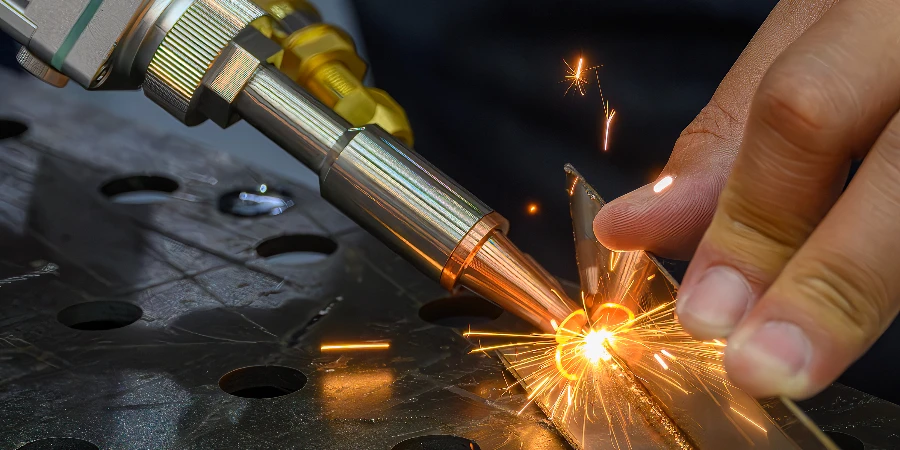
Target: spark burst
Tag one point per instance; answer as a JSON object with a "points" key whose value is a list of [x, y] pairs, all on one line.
{"points": [[578, 79], [600, 369], [577, 76], [623, 360]]}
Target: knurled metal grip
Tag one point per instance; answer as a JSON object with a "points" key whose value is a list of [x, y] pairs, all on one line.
{"points": [[39, 69], [176, 71]]}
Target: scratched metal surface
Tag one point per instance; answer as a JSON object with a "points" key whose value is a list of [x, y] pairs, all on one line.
{"points": [[210, 304]]}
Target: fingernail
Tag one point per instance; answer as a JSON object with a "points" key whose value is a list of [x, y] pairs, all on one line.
{"points": [[778, 349], [716, 303]]}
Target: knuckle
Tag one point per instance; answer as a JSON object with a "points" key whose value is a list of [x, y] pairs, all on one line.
{"points": [[768, 226], [849, 294], [798, 101]]}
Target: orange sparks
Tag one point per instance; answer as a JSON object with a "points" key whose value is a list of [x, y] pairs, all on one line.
{"points": [[661, 362], [533, 208], [359, 346], [575, 76], [578, 79], [750, 420], [663, 184], [610, 113]]}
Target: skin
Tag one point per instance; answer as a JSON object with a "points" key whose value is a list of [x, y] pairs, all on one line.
{"points": [[800, 277]]}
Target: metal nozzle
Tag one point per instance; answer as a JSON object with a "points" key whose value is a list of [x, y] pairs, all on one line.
{"points": [[500, 272], [488, 263]]}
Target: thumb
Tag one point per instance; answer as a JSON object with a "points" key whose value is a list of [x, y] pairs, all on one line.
{"points": [[668, 217], [671, 222]]}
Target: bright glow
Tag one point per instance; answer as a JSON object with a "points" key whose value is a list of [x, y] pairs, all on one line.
{"points": [[532, 208], [750, 420], [622, 324], [663, 184], [359, 346], [614, 260], [609, 113], [661, 362], [595, 343], [575, 76]]}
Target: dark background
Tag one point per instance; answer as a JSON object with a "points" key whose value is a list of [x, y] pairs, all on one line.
{"points": [[479, 80]]}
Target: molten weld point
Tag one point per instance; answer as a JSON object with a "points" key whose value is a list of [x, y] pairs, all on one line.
{"points": [[595, 343]]}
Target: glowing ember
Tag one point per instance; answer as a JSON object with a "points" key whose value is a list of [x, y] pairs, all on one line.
{"points": [[575, 76], [609, 113], [356, 346], [533, 208], [661, 185]]}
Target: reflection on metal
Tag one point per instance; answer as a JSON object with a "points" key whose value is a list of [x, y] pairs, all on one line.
{"points": [[658, 388], [353, 394], [47, 268], [261, 200]]}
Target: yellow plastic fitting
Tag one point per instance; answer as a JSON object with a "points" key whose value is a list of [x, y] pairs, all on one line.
{"points": [[279, 9], [323, 59]]}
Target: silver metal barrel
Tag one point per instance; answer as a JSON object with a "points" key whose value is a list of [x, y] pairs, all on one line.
{"points": [[384, 186]]}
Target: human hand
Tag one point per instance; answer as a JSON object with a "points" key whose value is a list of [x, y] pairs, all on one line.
{"points": [[800, 278]]}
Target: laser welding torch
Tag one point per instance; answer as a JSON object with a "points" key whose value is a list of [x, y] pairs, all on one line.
{"points": [[298, 81]]}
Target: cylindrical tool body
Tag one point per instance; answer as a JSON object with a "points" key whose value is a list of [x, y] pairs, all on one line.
{"points": [[290, 116], [399, 196], [384, 186]]}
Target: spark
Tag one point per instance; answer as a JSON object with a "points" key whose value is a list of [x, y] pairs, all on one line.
{"points": [[608, 114], [614, 260], [750, 420], [651, 277], [356, 346], [589, 367], [578, 79], [576, 76], [663, 184], [532, 208], [661, 362]]}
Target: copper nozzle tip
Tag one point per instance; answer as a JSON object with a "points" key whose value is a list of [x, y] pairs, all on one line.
{"points": [[498, 271]]}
